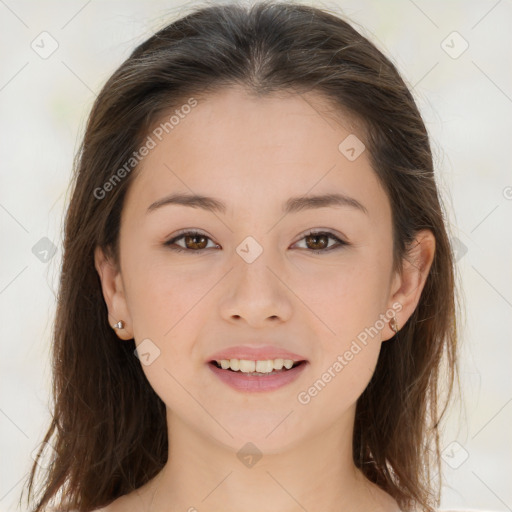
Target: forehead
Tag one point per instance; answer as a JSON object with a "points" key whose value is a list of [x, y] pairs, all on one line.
{"points": [[247, 150]]}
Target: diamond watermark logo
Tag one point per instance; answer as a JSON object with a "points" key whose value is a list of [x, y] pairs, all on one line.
{"points": [[455, 455], [249, 454], [249, 250], [44, 45], [44, 250], [147, 351], [454, 45], [351, 147], [459, 249]]}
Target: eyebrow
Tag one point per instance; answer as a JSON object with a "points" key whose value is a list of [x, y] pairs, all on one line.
{"points": [[292, 205]]}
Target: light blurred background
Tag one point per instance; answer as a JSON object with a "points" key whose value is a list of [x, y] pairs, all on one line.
{"points": [[54, 58]]}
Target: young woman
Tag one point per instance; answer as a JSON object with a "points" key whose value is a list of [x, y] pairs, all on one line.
{"points": [[257, 291]]}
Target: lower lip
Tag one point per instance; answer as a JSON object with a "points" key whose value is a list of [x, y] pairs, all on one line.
{"points": [[269, 382]]}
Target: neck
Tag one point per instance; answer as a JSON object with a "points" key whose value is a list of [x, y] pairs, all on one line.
{"points": [[317, 474]]}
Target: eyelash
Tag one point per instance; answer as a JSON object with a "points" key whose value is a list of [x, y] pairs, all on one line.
{"points": [[169, 243]]}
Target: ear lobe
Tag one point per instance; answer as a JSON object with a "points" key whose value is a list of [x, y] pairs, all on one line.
{"points": [[410, 283], [113, 292]]}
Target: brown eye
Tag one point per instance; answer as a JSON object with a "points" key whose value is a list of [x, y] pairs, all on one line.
{"points": [[319, 241], [196, 243], [193, 242]]}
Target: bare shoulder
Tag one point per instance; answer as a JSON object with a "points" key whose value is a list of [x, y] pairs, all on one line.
{"points": [[112, 507], [126, 503], [381, 500], [137, 499], [108, 508], [118, 505]]}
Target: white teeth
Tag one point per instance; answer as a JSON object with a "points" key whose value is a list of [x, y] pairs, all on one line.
{"points": [[247, 366], [287, 363], [278, 363], [264, 366]]}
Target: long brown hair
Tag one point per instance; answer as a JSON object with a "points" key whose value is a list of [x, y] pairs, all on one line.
{"points": [[108, 430]]}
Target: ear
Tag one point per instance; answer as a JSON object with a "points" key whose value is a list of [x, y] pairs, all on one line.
{"points": [[113, 293], [407, 286]]}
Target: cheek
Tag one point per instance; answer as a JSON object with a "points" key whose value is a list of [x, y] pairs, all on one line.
{"points": [[347, 297], [349, 302], [167, 306], [346, 355], [163, 298]]}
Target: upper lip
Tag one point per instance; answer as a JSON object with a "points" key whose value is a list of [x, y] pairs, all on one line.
{"points": [[255, 353]]}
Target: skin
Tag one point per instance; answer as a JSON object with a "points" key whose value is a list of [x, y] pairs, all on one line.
{"points": [[254, 154]]}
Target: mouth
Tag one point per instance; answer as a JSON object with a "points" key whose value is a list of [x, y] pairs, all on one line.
{"points": [[245, 377], [252, 368]]}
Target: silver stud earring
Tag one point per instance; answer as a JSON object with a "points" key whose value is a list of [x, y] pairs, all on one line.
{"points": [[119, 325]]}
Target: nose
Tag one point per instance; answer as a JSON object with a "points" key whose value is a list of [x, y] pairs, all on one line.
{"points": [[256, 293]]}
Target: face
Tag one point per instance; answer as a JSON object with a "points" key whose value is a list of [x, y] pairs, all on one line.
{"points": [[254, 274]]}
